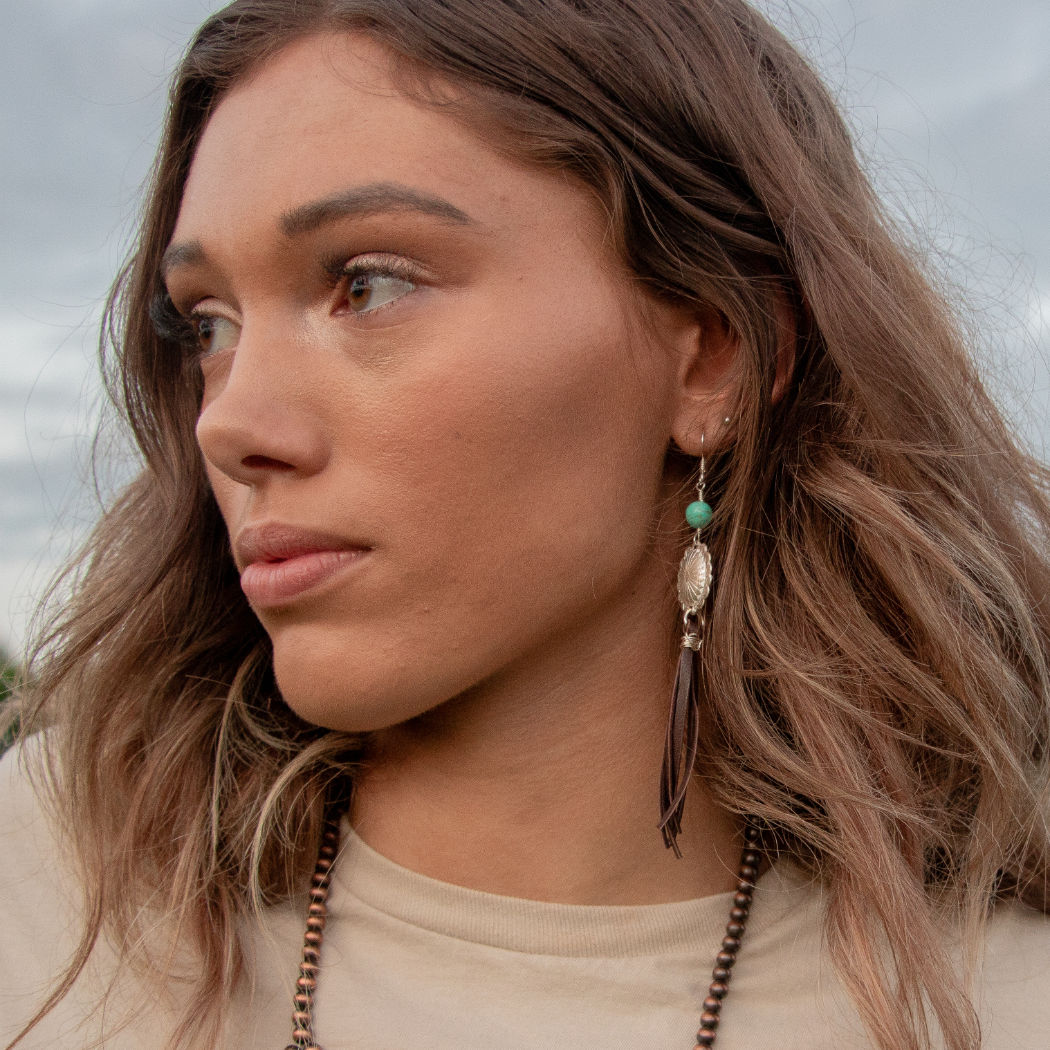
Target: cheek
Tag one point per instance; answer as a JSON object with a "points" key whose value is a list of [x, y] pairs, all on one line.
{"points": [[228, 495], [537, 459]]}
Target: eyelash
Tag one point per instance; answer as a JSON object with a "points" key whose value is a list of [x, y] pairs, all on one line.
{"points": [[173, 326], [340, 268], [170, 325]]}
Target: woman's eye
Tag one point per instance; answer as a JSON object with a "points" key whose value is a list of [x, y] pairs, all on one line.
{"points": [[370, 289], [214, 333]]}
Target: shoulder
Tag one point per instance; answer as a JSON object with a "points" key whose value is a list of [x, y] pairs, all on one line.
{"points": [[1013, 995], [39, 898], [27, 838], [42, 916], [37, 890]]}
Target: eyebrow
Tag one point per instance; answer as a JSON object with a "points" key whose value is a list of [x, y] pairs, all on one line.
{"points": [[372, 199], [375, 198], [183, 253]]}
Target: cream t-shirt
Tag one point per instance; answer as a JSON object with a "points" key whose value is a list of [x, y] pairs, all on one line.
{"points": [[409, 962]]}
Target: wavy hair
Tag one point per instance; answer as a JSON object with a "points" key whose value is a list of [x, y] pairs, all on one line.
{"points": [[880, 634]]}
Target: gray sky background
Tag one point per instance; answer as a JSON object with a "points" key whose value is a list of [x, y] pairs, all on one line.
{"points": [[949, 99]]}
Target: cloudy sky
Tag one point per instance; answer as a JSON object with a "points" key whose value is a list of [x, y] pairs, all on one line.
{"points": [[950, 100]]}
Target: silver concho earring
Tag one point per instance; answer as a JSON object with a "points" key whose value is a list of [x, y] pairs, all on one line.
{"points": [[683, 726]]}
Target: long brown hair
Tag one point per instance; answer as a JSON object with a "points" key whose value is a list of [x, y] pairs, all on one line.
{"points": [[877, 658]]}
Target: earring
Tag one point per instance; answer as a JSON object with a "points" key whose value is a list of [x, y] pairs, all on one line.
{"points": [[683, 726]]}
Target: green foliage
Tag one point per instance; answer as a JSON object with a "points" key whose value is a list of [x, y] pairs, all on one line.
{"points": [[7, 683]]}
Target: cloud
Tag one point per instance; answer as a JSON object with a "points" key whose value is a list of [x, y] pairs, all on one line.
{"points": [[84, 91]]}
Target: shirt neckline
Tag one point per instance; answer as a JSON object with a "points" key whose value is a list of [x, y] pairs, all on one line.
{"points": [[365, 877]]}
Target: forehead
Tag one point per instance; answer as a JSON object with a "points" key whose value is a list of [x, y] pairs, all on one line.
{"points": [[325, 114]]}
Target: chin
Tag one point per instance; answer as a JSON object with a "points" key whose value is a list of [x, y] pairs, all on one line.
{"points": [[348, 688]]}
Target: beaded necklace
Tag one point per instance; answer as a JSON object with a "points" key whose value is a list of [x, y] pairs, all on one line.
{"points": [[306, 984]]}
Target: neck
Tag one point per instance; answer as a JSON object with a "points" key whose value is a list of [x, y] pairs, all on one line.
{"points": [[543, 784]]}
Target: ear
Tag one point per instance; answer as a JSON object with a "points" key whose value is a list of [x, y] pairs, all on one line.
{"points": [[708, 382], [705, 391]]}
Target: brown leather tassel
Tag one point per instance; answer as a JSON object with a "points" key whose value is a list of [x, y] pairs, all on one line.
{"points": [[681, 743]]}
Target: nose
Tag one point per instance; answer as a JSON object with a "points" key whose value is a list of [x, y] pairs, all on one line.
{"points": [[259, 417]]}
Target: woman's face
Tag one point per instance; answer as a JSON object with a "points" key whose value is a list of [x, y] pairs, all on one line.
{"points": [[435, 405]]}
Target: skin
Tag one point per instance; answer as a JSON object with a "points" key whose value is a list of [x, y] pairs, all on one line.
{"points": [[490, 416]]}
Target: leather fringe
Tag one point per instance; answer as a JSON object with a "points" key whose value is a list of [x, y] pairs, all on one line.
{"points": [[680, 747]]}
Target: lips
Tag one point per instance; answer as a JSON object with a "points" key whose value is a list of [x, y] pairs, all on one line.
{"points": [[279, 563]]}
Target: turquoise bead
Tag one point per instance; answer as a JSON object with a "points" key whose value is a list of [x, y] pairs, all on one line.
{"points": [[698, 514]]}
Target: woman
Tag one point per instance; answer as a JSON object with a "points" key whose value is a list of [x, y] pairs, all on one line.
{"points": [[442, 315]]}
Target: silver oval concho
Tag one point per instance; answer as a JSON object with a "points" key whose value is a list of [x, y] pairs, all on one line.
{"points": [[694, 578]]}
